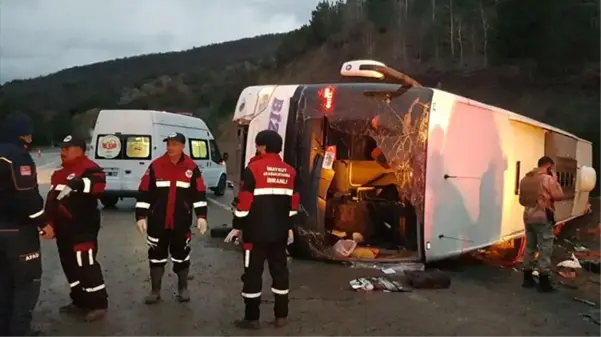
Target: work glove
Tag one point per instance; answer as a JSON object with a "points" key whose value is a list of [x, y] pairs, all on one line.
{"points": [[201, 224], [141, 225], [234, 233], [64, 193], [47, 232], [290, 237]]}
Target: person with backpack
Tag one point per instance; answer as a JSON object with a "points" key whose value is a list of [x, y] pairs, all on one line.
{"points": [[539, 190]]}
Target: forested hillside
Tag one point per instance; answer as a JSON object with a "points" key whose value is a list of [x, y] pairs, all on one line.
{"points": [[537, 57]]}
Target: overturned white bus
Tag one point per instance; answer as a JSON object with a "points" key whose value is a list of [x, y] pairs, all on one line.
{"points": [[418, 172]]}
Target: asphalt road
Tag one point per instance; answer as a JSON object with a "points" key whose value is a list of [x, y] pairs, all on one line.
{"points": [[482, 300]]}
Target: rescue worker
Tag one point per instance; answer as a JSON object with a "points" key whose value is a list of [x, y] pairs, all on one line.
{"points": [[72, 207], [264, 215], [539, 190], [22, 220], [171, 188]]}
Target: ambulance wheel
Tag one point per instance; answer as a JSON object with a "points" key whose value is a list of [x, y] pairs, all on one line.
{"points": [[220, 189], [109, 202]]}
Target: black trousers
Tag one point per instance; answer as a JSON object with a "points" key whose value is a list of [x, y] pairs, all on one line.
{"points": [[175, 242], [254, 258], [20, 274], [83, 273]]}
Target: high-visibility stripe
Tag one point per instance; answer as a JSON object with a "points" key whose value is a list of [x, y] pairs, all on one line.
{"points": [[200, 204], [182, 184], [279, 291], [253, 295], [293, 213], [240, 214], [163, 183], [87, 185], [150, 238], [59, 187], [91, 290], [36, 214], [158, 261], [90, 257], [273, 191], [181, 261], [74, 284], [144, 205]]}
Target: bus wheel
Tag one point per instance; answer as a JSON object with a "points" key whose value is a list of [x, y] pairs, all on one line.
{"points": [[109, 202]]}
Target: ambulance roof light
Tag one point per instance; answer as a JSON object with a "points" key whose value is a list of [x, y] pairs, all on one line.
{"points": [[377, 70]]}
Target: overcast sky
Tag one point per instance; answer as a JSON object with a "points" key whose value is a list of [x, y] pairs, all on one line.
{"points": [[38, 37]]}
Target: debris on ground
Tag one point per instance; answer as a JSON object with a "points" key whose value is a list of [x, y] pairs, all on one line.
{"points": [[403, 282], [379, 283], [572, 263], [399, 267], [567, 274], [593, 316], [345, 247], [590, 260], [582, 300]]}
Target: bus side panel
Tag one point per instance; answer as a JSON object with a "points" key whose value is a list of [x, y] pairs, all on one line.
{"points": [[275, 118], [465, 176], [528, 145]]}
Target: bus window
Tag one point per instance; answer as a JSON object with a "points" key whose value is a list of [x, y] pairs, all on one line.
{"points": [[137, 147]]}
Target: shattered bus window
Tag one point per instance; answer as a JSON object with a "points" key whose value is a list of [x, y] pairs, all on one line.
{"points": [[379, 132]]}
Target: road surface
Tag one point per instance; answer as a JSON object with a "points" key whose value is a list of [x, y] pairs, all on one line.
{"points": [[481, 300]]}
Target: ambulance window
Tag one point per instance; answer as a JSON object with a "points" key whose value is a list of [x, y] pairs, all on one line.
{"points": [[137, 147], [198, 149], [108, 147], [215, 153]]}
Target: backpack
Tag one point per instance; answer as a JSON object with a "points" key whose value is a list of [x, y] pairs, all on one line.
{"points": [[530, 189]]}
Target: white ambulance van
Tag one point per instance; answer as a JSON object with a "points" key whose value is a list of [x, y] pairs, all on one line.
{"points": [[125, 142]]}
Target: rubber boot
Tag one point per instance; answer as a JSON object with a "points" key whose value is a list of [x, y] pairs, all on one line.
{"points": [[156, 277], [71, 308], [247, 325], [95, 315], [528, 279], [544, 284], [182, 286], [280, 322]]}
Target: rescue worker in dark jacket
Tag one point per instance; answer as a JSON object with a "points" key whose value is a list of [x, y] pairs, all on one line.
{"points": [[22, 220], [72, 207], [267, 206], [171, 189]]}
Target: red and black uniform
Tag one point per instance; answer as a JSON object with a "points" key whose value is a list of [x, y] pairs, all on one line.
{"points": [[76, 222], [168, 194], [268, 203]]}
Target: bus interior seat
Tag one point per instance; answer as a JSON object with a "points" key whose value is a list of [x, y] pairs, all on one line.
{"points": [[351, 174], [364, 171]]}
